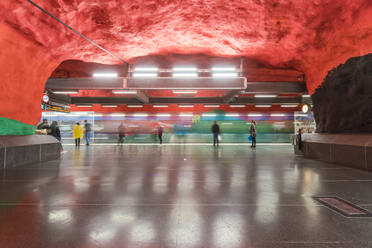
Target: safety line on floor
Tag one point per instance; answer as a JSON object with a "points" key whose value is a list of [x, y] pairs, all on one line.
{"points": [[77, 32]]}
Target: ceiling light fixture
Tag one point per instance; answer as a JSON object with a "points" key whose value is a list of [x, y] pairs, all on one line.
{"points": [[185, 91], [277, 115], [263, 106], [129, 92], [185, 106], [163, 115], [254, 115], [185, 115], [148, 69], [84, 105], [160, 106], [117, 115], [208, 115], [211, 105], [232, 115], [265, 96], [289, 105], [134, 106], [237, 106], [140, 115], [66, 92], [105, 75], [223, 69], [109, 106], [306, 95]]}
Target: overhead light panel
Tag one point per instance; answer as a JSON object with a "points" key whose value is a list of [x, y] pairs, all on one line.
{"points": [[232, 115], [105, 75], [109, 106], [185, 106], [185, 91], [254, 115], [265, 96], [129, 92], [163, 115], [117, 115], [140, 115], [60, 92], [184, 69], [185, 115], [289, 105], [208, 115], [84, 105], [211, 105], [185, 74], [160, 106], [223, 69], [225, 75], [306, 95], [237, 106], [277, 115], [134, 106], [144, 75], [146, 69], [263, 106]]}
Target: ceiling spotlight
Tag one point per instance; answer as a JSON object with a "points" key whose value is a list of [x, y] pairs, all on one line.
{"points": [[129, 92], [139, 75], [146, 69], [223, 69], [265, 96], [66, 92], [189, 74], [185, 91], [105, 75]]}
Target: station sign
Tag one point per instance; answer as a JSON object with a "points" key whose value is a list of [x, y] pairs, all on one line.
{"points": [[54, 106]]}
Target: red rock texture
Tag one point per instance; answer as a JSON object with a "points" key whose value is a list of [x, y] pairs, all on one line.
{"points": [[311, 36]]}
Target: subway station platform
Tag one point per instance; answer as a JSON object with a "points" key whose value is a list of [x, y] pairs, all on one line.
{"points": [[182, 196]]}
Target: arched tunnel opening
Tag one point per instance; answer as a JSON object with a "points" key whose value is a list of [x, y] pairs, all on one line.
{"points": [[237, 124]]}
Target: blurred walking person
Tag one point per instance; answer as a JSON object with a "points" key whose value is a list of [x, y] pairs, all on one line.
{"points": [[160, 134], [55, 132], [78, 133], [216, 133], [88, 131], [253, 133], [121, 131]]}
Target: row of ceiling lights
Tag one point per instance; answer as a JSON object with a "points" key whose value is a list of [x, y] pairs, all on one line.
{"points": [[190, 105]]}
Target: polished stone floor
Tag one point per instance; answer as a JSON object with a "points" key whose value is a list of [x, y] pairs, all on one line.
{"points": [[181, 196]]}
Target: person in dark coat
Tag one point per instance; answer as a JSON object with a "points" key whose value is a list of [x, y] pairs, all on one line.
{"points": [[216, 132], [54, 131], [160, 134], [121, 131], [253, 133]]}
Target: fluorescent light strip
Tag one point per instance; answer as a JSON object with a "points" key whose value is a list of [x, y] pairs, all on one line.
{"points": [[98, 115], [263, 106], [254, 115], [185, 115], [160, 106], [140, 115], [137, 75], [208, 115], [84, 106], [163, 115], [151, 69], [306, 95], [105, 75], [277, 115], [265, 96], [185, 74], [237, 106], [124, 92], [117, 115], [185, 106], [225, 75], [184, 69], [289, 105], [232, 115], [212, 106], [134, 106], [66, 92], [301, 115], [223, 69], [109, 106], [185, 91]]}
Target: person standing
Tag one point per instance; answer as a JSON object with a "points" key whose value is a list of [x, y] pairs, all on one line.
{"points": [[78, 133], [54, 131], [253, 133], [160, 134], [216, 132], [88, 131], [121, 131]]}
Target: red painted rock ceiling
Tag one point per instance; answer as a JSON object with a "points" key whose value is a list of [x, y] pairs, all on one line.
{"points": [[310, 36]]}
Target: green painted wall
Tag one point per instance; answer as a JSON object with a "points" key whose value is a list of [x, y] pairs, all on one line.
{"points": [[13, 127]]}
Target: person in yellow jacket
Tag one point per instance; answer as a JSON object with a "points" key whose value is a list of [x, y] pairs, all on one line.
{"points": [[78, 132]]}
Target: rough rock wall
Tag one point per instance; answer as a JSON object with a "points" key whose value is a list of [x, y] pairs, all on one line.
{"points": [[344, 101]]}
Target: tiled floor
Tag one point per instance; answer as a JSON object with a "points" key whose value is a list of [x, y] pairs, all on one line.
{"points": [[181, 196]]}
